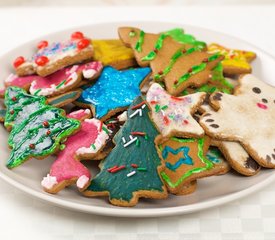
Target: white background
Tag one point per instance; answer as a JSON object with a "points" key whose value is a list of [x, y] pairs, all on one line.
{"points": [[23, 217]]}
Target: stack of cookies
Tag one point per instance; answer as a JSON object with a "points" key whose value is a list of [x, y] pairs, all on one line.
{"points": [[156, 111]]}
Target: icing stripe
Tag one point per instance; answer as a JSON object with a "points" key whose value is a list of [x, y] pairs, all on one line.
{"points": [[140, 41]]}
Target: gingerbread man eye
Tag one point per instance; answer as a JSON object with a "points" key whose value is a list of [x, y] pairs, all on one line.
{"points": [[264, 100], [256, 90]]}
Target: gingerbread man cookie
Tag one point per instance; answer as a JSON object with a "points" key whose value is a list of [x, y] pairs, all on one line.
{"points": [[50, 58], [235, 61], [179, 64], [85, 144], [173, 115], [246, 117]]}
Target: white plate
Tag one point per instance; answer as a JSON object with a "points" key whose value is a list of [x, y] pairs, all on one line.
{"points": [[212, 191]]}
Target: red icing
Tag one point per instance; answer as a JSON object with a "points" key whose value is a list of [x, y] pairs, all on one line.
{"points": [[18, 61], [83, 43], [42, 44], [77, 35], [262, 106], [41, 60]]}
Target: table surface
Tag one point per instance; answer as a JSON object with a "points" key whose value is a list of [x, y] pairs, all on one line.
{"points": [[250, 218]]}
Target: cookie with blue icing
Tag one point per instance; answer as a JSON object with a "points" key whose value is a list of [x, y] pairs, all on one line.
{"points": [[114, 91], [186, 161]]}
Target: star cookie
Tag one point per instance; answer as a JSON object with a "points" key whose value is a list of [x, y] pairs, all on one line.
{"points": [[114, 91], [173, 115], [235, 61]]}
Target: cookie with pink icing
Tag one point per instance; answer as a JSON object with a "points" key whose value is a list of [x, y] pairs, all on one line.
{"points": [[59, 82], [246, 117], [173, 115], [85, 144], [52, 57]]}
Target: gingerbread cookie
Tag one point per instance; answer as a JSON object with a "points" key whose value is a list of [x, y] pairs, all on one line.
{"points": [[235, 61], [187, 189], [179, 64], [246, 117], [233, 152], [238, 158], [173, 115], [216, 156], [85, 144], [132, 169], [113, 92], [217, 83], [57, 83], [185, 161], [65, 98], [112, 52], [50, 58], [37, 129]]}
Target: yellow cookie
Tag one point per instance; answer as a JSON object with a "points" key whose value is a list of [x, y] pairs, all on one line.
{"points": [[114, 53], [235, 61]]}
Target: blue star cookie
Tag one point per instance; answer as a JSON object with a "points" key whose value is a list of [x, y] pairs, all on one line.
{"points": [[113, 91]]}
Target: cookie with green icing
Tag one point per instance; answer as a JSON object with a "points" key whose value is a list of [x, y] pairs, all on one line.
{"points": [[185, 161], [37, 129], [177, 59], [132, 169]]}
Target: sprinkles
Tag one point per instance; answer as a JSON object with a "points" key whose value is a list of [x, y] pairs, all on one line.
{"points": [[131, 173]]}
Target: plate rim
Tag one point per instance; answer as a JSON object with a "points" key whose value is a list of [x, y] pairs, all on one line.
{"points": [[138, 212]]}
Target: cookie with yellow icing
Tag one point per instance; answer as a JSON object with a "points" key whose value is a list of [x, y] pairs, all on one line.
{"points": [[113, 52], [235, 61], [176, 58]]}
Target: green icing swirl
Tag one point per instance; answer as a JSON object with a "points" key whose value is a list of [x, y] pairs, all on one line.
{"points": [[196, 69], [118, 185], [39, 130], [208, 164], [140, 41]]}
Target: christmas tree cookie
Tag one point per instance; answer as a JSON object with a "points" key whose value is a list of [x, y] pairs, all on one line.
{"points": [[235, 61], [177, 60], [132, 169], [186, 161], [112, 52], [85, 144], [113, 92], [37, 129], [173, 115], [246, 117]]}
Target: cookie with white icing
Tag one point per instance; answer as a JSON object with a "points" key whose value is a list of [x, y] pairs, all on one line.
{"points": [[52, 57], [173, 115], [246, 117]]}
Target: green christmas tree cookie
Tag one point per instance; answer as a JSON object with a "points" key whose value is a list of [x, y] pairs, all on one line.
{"points": [[132, 169], [36, 128]]}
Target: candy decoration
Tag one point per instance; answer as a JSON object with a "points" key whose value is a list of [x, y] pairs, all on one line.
{"points": [[41, 60], [42, 44], [18, 61], [119, 176], [26, 119], [83, 43], [77, 35]]}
